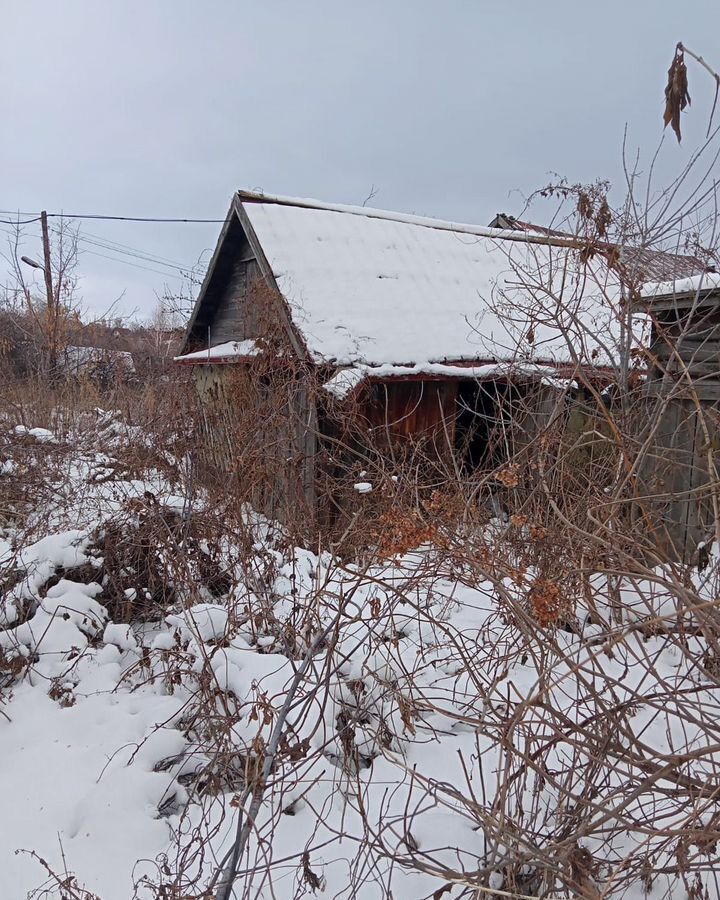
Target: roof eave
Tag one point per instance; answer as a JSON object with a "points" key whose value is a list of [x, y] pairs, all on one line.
{"points": [[670, 299]]}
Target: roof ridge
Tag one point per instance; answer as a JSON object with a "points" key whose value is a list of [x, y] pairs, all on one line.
{"points": [[409, 219], [624, 247], [528, 232]]}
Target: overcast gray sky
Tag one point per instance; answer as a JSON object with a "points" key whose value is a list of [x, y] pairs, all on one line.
{"points": [[449, 108]]}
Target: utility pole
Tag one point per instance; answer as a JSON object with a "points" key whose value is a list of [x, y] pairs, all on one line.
{"points": [[51, 309]]}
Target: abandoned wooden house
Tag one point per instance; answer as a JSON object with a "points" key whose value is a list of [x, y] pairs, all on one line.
{"points": [[459, 337]]}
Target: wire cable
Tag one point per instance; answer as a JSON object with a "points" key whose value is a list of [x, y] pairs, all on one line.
{"points": [[183, 273], [88, 236], [148, 258], [160, 219], [105, 243]]}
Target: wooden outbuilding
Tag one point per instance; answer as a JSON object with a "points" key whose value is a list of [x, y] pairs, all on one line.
{"points": [[413, 329]]}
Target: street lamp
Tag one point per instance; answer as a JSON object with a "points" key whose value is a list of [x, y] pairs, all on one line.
{"points": [[51, 307], [33, 263]]}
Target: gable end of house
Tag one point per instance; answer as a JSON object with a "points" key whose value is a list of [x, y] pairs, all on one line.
{"points": [[239, 297]]}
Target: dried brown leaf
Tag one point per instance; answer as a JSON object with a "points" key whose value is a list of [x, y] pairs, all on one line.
{"points": [[676, 92], [312, 880]]}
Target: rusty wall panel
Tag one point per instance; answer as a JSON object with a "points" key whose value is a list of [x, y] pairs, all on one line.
{"points": [[411, 408]]}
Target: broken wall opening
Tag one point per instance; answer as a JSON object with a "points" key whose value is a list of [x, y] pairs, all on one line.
{"points": [[498, 418]]}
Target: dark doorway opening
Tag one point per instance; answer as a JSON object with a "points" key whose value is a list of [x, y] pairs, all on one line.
{"points": [[484, 423]]}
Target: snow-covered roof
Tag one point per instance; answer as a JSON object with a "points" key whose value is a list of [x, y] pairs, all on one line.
{"points": [[230, 351], [344, 381], [75, 358], [371, 287], [705, 281]]}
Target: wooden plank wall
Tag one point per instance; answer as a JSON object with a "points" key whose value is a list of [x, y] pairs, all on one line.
{"points": [[535, 409], [261, 431], [236, 317], [418, 409], [675, 484]]}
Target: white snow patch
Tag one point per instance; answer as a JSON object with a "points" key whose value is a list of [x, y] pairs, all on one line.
{"points": [[228, 350], [42, 435], [706, 281], [208, 621], [121, 636]]}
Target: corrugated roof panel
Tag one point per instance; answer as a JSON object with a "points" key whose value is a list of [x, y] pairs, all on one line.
{"points": [[373, 289]]}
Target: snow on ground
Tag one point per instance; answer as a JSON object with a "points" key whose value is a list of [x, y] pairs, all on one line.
{"points": [[67, 787], [126, 747]]}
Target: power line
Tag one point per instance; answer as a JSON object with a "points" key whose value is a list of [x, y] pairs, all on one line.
{"points": [[134, 254], [182, 272], [125, 249], [127, 262], [160, 219], [134, 218], [106, 243], [120, 247], [19, 221]]}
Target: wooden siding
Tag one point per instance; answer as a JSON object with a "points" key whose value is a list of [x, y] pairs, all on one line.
{"points": [[675, 484], [261, 432], [538, 408], [419, 409], [229, 311], [684, 339], [236, 317], [218, 285]]}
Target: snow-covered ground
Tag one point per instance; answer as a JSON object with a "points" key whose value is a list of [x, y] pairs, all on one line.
{"points": [[437, 739]]}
